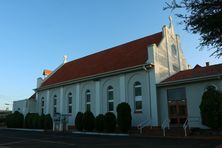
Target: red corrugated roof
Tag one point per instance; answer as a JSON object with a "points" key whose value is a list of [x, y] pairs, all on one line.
{"points": [[119, 57], [196, 72]]}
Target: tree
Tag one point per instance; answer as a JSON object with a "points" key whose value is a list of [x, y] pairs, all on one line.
{"points": [[210, 108], [203, 17]]}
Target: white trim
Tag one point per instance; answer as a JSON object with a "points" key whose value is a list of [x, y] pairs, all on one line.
{"points": [[97, 97], [189, 80], [122, 88], [47, 102], [77, 98]]}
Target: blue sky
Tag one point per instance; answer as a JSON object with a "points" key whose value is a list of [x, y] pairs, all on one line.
{"points": [[35, 34]]}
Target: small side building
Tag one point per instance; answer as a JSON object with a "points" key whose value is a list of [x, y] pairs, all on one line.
{"points": [[180, 95], [25, 106]]}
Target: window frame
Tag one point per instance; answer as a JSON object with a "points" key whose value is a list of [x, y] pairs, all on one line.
{"points": [[137, 98], [54, 104], [42, 105], [69, 104], [88, 100], [110, 101]]}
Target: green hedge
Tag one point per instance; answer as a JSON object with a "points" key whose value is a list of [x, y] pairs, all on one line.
{"points": [[100, 122], [88, 121], [124, 118], [47, 122], [78, 121], [110, 122], [32, 120], [15, 120]]}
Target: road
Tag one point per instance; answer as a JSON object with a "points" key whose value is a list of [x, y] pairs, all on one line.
{"points": [[23, 139]]}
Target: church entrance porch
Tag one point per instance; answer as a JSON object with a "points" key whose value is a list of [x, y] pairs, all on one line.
{"points": [[177, 106], [177, 112]]}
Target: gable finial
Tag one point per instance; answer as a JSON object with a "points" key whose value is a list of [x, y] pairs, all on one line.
{"points": [[65, 59]]}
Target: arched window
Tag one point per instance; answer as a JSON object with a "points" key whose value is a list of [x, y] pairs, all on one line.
{"points": [[138, 96], [88, 100], [211, 87], [70, 103], [54, 104], [110, 98], [42, 104], [174, 50]]}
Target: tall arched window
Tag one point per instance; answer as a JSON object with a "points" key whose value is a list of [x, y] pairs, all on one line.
{"points": [[110, 98], [54, 104], [70, 103], [42, 105], [211, 87], [138, 96], [88, 100], [174, 50]]}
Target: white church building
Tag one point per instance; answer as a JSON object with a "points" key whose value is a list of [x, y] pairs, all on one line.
{"points": [[151, 74]]}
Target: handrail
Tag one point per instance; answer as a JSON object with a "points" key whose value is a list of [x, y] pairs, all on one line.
{"points": [[185, 125], [166, 123], [143, 124]]}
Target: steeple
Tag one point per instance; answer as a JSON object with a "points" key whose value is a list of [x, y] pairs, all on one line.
{"points": [[171, 21]]}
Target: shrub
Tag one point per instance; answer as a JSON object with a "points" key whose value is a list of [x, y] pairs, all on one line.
{"points": [[32, 120], [15, 120], [19, 119], [88, 120], [109, 122], [100, 123], [124, 118], [210, 108], [10, 121], [35, 121], [28, 120], [78, 121], [47, 122], [41, 121]]}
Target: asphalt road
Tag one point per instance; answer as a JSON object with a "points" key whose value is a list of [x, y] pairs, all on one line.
{"points": [[23, 139]]}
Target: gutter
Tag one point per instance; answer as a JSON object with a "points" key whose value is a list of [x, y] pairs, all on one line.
{"points": [[191, 80], [98, 76]]}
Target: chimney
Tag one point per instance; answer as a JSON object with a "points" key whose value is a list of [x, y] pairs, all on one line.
{"points": [[39, 82], [207, 64]]}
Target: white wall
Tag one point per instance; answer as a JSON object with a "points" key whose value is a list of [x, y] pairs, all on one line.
{"points": [[20, 106], [101, 95]]}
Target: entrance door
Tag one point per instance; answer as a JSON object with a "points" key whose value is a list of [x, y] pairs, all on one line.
{"points": [[177, 111]]}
